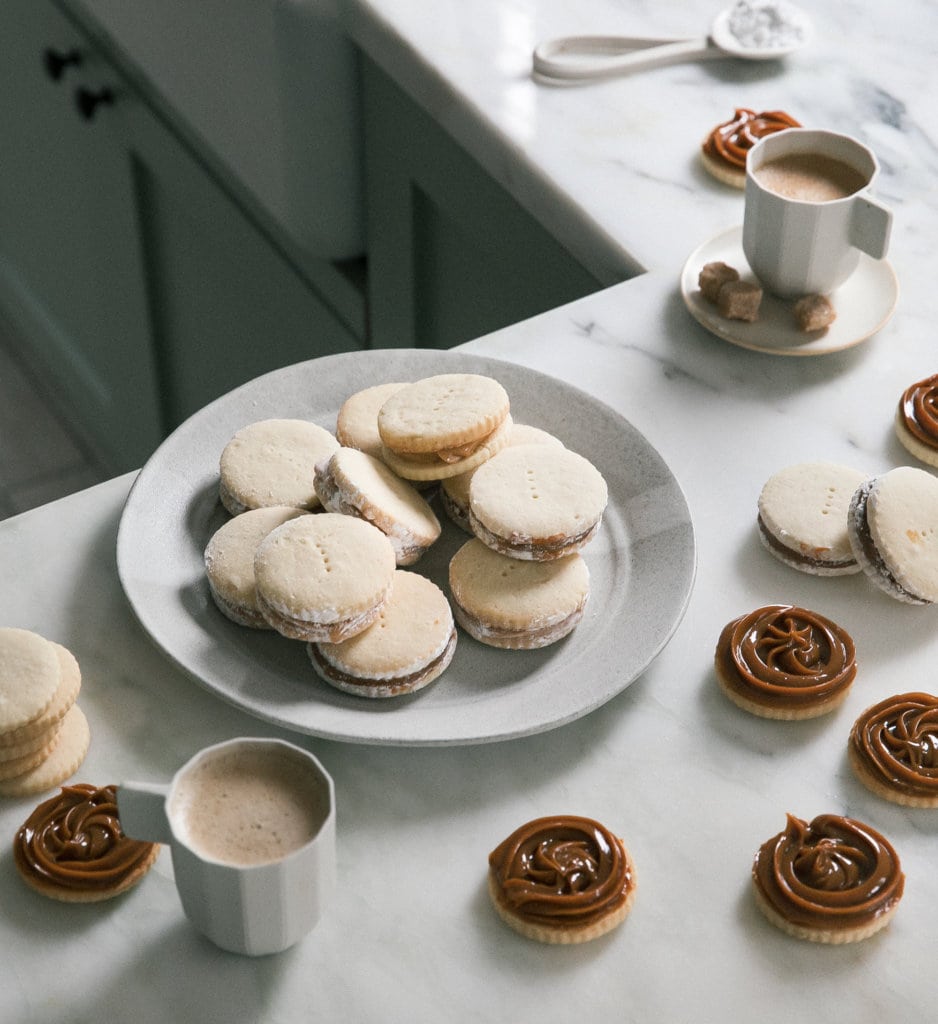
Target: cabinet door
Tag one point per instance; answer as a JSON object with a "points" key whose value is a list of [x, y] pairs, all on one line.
{"points": [[227, 302], [70, 270], [451, 255]]}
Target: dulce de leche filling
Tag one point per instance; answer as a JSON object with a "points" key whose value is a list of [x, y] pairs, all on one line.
{"points": [[832, 874], [731, 141], [563, 871], [781, 655], [75, 841], [896, 740], [918, 410]]}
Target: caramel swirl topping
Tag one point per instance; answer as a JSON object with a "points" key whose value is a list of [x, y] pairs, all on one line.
{"points": [[918, 409], [732, 140], [834, 873], [897, 740], [74, 841], [781, 654], [562, 870]]}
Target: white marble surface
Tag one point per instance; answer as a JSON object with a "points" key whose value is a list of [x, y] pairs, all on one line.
{"points": [[611, 168], [692, 783]]}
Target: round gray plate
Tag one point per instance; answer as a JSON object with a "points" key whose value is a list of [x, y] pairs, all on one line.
{"points": [[641, 563]]}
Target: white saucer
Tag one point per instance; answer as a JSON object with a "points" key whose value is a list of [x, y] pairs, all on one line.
{"points": [[864, 303]]}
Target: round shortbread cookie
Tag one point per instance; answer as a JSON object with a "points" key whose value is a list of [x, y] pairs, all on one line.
{"points": [[13, 767], [323, 577], [513, 603], [726, 173], [408, 646], [357, 422], [39, 745], [893, 530], [802, 517], [65, 696], [425, 469], [538, 502], [351, 482], [30, 673], [443, 412], [229, 562], [454, 491], [67, 754], [271, 462], [72, 847]]}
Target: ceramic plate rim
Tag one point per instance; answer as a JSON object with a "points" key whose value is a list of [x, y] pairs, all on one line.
{"points": [[773, 337], [168, 514]]}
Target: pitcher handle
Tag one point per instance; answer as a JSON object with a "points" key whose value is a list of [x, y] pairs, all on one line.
{"points": [[142, 810], [871, 226]]}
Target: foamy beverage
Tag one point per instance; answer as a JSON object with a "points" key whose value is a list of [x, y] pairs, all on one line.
{"points": [[809, 212], [811, 177], [248, 806]]}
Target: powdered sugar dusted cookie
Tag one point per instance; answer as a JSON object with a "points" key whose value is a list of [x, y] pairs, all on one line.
{"points": [[271, 462], [408, 646], [537, 502], [357, 422], [323, 577], [454, 491], [514, 603], [354, 483], [229, 562], [893, 530], [803, 517], [443, 425]]}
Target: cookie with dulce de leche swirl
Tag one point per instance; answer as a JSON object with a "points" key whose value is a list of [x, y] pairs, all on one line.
{"points": [[917, 420], [72, 847], [833, 880], [562, 880], [785, 662], [893, 749]]}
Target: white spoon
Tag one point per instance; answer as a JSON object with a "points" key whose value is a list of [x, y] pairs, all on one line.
{"points": [[751, 30]]}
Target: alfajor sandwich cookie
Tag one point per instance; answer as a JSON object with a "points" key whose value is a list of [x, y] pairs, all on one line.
{"points": [[324, 577], [802, 517], [893, 530], [537, 502], [229, 562], [271, 462], [516, 603], [351, 482], [454, 490], [410, 644], [444, 425]]}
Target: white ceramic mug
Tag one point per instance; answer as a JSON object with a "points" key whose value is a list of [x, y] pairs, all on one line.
{"points": [[251, 826], [800, 246]]}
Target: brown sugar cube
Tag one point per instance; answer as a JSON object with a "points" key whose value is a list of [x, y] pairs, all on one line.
{"points": [[739, 300], [814, 313], [713, 276]]}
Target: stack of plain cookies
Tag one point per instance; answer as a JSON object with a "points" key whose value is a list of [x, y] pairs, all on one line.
{"points": [[44, 735], [325, 528]]}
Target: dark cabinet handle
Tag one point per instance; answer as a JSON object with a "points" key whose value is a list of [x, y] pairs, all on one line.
{"points": [[55, 62], [88, 100]]}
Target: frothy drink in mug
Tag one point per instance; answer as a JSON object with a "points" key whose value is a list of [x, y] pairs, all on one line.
{"points": [[811, 177], [248, 806], [809, 212]]}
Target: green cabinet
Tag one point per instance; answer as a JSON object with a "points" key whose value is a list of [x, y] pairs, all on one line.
{"points": [[451, 255], [141, 282]]}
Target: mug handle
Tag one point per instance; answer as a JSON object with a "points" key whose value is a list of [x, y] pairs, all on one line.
{"points": [[870, 226], [141, 807]]}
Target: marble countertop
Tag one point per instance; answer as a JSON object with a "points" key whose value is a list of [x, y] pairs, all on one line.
{"points": [[692, 783]]}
